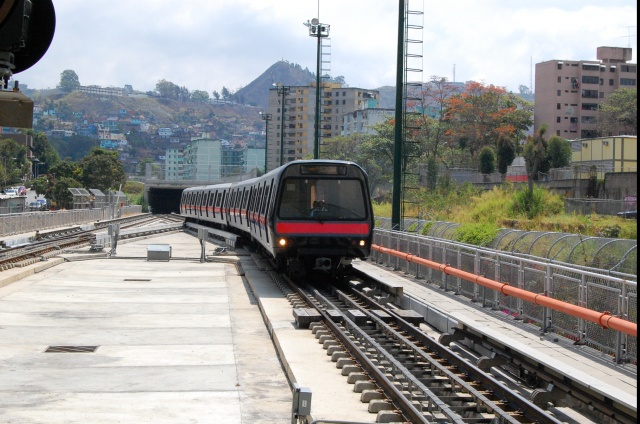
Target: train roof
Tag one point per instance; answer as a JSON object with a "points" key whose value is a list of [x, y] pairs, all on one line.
{"points": [[275, 171]]}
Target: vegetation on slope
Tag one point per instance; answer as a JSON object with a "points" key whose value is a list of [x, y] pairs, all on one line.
{"points": [[483, 213]]}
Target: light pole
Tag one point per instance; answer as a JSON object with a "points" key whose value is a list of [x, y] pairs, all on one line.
{"points": [[266, 117], [318, 30], [35, 167], [283, 90]]}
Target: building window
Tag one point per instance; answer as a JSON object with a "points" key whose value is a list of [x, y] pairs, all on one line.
{"points": [[558, 106], [628, 68], [590, 94], [559, 92], [557, 132], [559, 79], [611, 81], [587, 79], [588, 119], [558, 120], [601, 95], [589, 106], [590, 67], [627, 81], [559, 65]]}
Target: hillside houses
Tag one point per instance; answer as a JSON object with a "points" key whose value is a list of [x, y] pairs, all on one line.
{"points": [[142, 128]]}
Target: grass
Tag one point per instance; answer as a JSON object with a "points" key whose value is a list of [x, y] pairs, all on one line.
{"points": [[502, 207]]}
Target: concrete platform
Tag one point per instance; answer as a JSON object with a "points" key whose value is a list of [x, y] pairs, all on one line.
{"points": [[177, 341]]}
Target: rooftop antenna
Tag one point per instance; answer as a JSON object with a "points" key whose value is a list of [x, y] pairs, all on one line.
{"points": [[531, 73], [628, 37]]}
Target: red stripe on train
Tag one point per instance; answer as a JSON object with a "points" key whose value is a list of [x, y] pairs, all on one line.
{"points": [[284, 228]]}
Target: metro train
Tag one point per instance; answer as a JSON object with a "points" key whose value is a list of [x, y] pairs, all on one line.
{"points": [[305, 215]]}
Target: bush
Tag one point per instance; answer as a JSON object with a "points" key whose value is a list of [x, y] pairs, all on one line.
{"points": [[476, 234], [424, 231], [535, 203]]}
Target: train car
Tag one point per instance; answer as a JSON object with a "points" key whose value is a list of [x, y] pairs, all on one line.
{"points": [[305, 214]]}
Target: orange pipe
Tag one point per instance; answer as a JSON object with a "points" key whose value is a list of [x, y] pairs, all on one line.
{"points": [[604, 319]]}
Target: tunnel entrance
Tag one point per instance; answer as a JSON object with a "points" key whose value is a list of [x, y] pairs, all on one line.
{"points": [[164, 200]]}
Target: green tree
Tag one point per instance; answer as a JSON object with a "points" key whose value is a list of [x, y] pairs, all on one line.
{"points": [[487, 159], [67, 169], [68, 81], [535, 156], [103, 170], [559, 152], [506, 153], [342, 147], [75, 147], [59, 194], [43, 151], [199, 96], [167, 89], [619, 113], [13, 162]]}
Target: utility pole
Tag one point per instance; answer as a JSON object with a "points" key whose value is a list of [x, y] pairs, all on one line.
{"points": [[283, 90]]}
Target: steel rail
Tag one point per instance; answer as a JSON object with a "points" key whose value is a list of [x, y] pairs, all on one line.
{"points": [[528, 408]]}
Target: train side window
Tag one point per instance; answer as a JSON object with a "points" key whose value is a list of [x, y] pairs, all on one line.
{"points": [[224, 209], [234, 204], [265, 198], [197, 203]]}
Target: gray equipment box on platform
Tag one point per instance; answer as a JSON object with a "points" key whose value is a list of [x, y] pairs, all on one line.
{"points": [[158, 252]]}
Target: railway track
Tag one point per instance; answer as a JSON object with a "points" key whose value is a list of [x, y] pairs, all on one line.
{"points": [[44, 245], [406, 373]]}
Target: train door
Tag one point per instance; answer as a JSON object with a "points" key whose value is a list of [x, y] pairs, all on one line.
{"points": [[225, 206], [262, 213], [255, 208]]}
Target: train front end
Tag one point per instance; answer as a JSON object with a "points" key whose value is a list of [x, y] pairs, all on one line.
{"points": [[322, 217]]}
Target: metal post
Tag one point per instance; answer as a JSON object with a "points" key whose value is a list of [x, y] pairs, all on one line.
{"points": [[318, 30], [283, 90], [266, 117], [397, 143], [316, 134]]}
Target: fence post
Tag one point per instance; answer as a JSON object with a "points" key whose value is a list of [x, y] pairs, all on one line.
{"points": [[546, 312], [476, 270]]}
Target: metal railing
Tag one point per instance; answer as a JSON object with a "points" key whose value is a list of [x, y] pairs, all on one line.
{"points": [[19, 223], [586, 287]]}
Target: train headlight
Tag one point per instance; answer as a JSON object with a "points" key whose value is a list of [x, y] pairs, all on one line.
{"points": [[362, 243], [282, 242]]}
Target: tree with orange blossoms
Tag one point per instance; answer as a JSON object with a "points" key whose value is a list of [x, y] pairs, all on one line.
{"points": [[482, 115]]}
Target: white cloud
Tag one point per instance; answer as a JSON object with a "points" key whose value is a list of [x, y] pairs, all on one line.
{"points": [[206, 45]]}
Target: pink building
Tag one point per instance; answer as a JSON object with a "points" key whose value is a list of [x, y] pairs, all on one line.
{"points": [[568, 93]]}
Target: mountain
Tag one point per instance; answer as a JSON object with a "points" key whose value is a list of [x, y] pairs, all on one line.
{"points": [[256, 93]]}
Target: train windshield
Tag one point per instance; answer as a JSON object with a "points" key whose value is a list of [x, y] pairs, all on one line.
{"points": [[322, 199]]}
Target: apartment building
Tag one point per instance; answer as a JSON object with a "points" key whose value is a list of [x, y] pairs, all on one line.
{"points": [[568, 93], [291, 131], [362, 121], [208, 159]]}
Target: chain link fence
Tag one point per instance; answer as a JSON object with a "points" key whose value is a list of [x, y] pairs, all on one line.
{"points": [[590, 288]]}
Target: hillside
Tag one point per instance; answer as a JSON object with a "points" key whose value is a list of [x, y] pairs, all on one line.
{"points": [[160, 112], [256, 93]]}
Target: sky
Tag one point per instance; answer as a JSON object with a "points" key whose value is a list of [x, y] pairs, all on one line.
{"points": [[210, 44]]}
